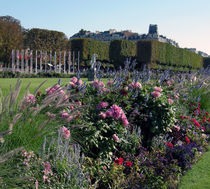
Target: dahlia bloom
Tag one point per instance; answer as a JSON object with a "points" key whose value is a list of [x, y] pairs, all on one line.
{"points": [[170, 101], [102, 105], [115, 137], [30, 99], [74, 80], [158, 89], [65, 133], [156, 94]]}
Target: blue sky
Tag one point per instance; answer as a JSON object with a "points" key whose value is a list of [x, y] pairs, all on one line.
{"points": [[185, 21]]}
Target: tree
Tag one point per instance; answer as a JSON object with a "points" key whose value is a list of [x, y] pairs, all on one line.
{"points": [[40, 39], [10, 37]]}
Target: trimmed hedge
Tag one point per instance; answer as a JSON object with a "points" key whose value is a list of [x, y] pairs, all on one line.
{"points": [[88, 47], [206, 62], [156, 54], [120, 50]]}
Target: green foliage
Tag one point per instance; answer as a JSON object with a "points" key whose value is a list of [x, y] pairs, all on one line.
{"points": [[155, 53], [120, 50], [206, 62], [88, 47], [156, 116], [10, 37], [40, 39]]}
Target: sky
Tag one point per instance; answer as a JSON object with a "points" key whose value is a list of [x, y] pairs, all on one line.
{"points": [[185, 21]]}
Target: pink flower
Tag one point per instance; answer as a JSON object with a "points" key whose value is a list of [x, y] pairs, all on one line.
{"points": [[56, 86], [25, 161], [115, 137], [109, 83], [168, 83], [102, 105], [45, 178], [158, 89], [102, 115], [74, 80], [138, 85], [108, 113], [73, 85], [176, 96], [70, 118], [30, 99], [170, 101], [78, 102], [177, 127], [101, 84], [65, 97], [47, 165], [156, 94], [125, 122], [62, 92], [50, 90], [71, 107], [132, 85], [65, 114], [97, 84], [65, 133], [80, 82], [37, 184], [103, 90]]}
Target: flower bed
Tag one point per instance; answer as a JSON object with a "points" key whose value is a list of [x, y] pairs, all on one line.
{"points": [[132, 132]]}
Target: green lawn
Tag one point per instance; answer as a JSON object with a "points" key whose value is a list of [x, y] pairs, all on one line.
{"points": [[35, 82], [199, 176]]}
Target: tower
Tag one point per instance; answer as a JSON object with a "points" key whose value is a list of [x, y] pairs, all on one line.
{"points": [[153, 29]]}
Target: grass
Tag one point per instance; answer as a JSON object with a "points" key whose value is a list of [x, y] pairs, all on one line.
{"points": [[199, 176], [35, 82]]}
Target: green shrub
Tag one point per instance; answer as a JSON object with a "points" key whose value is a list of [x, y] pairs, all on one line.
{"points": [[87, 47], [154, 53], [206, 62], [120, 50]]}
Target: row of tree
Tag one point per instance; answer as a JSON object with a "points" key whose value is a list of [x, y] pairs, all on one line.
{"points": [[113, 54], [14, 36]]}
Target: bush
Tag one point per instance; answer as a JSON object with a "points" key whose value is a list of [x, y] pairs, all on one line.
{"points": [[154, 53], [120, 50], [87, 47]]}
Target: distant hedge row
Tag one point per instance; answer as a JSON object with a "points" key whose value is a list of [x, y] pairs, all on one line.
{"points": [[88, 47], [206, 62], [120, 50], [157, 54], [114, 52]]}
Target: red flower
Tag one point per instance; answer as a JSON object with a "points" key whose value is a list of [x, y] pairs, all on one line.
{"points": [[194, 120], [208, 120], [119, 161], [170, 145], [203, 128], [207, 113], [187, 139], [182, 117], [128, 163]]}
